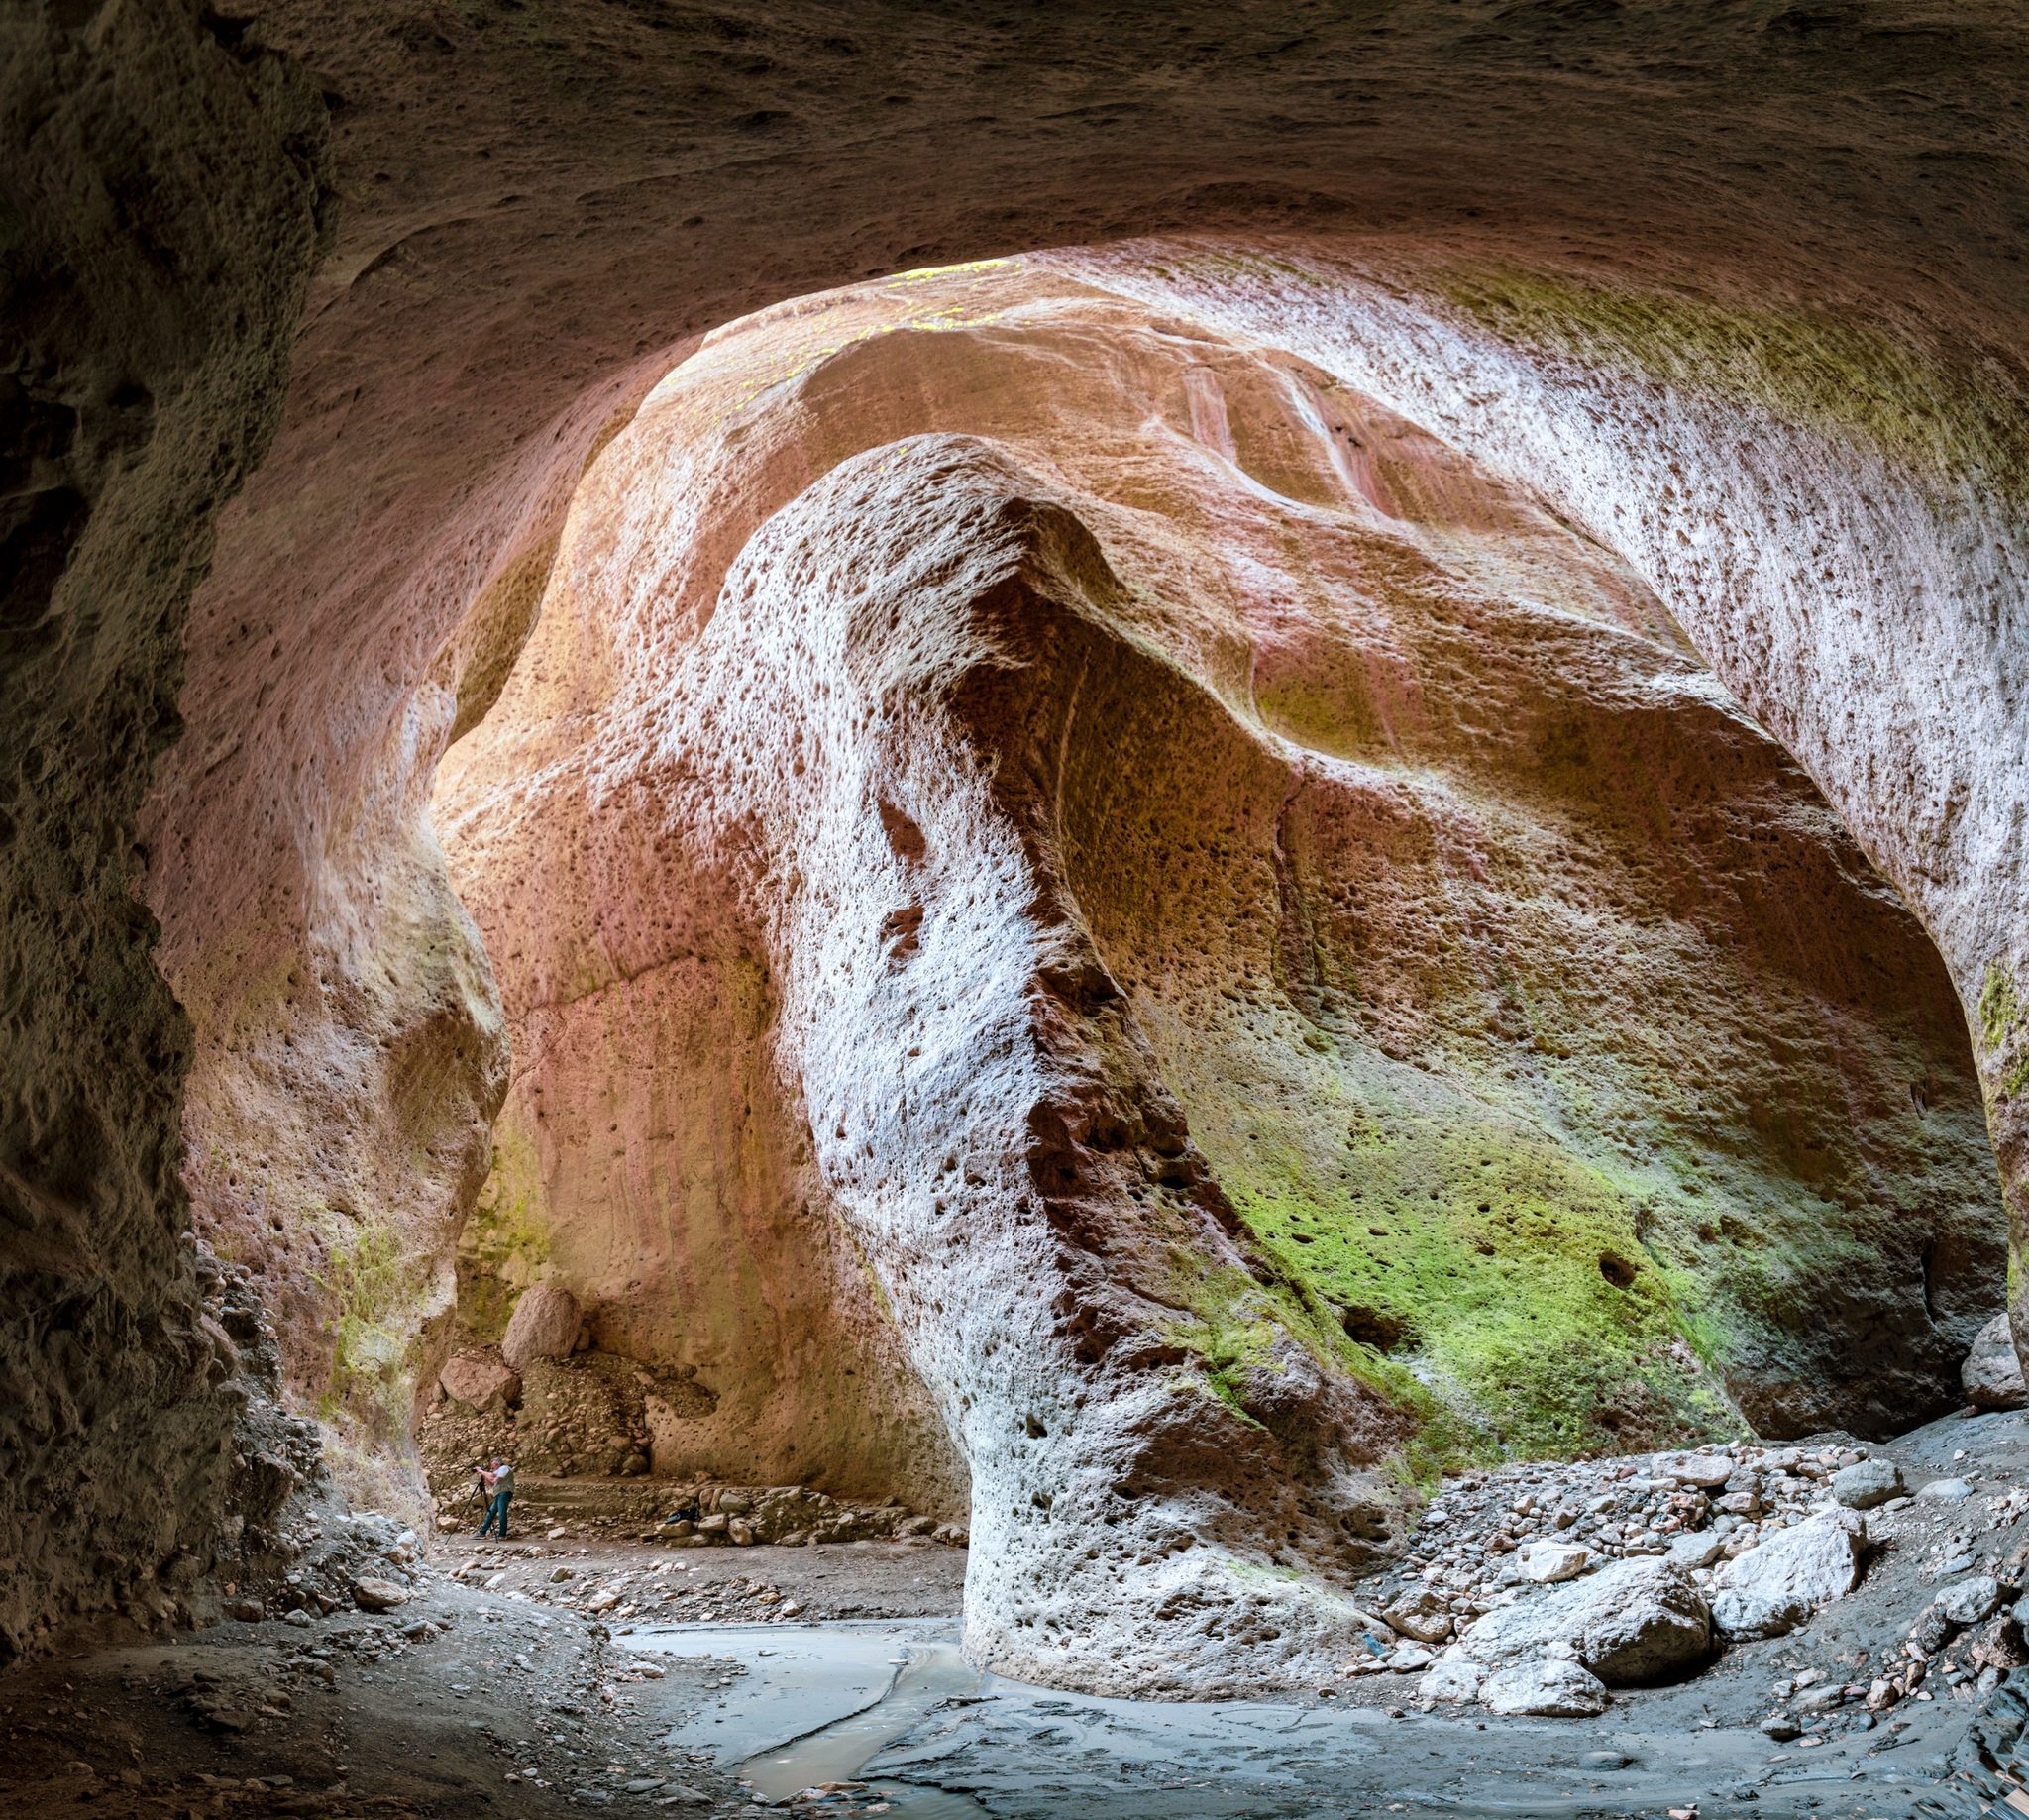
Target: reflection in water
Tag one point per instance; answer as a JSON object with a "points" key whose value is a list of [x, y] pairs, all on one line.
{"points": [[935, 1671]]}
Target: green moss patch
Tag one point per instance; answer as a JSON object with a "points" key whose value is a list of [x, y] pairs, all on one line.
{"points": [[506, 1241], [1501, 1277]]}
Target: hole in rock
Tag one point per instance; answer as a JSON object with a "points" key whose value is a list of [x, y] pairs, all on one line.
{"points": [[1617, 1270]]}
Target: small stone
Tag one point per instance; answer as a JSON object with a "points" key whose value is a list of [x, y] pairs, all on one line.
{"points": [[245, 1611], [300, 1619], [1605, 1760], [1781, 1728], [1871, 1482], [1409, 1658]]}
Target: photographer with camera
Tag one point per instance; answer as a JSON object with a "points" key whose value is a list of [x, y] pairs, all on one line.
{"points": [[498, 1483]]}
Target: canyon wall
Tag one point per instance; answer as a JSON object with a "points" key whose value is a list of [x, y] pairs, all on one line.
{"points": [[138, 150], [541, 211], [1829, 499], [1265, 947]]}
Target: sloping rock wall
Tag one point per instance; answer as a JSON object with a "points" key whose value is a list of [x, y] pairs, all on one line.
{"points": [[1222, 897], [136, 151]]}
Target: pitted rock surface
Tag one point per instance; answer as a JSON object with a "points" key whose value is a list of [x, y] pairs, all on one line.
{"points": [[1630, 1623], [1993, 1373]]}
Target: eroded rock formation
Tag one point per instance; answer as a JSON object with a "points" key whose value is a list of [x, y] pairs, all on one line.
{"points": [[1219, 889], [133, 402], [536, 225]]}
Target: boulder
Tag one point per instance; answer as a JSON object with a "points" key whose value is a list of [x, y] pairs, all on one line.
{"points": [[1771, 1590], [1454, 1681], [1706, 1471], [544, 1326], [1870, 1482], [1420, 1613], [1991, 1375], [1408, 1657], [1551, 1562], [1696, 1548], [479, 1378], [1944, 1491], [373, 1595], [1549, 1688], [1970, 1600], [1630, 1623]]}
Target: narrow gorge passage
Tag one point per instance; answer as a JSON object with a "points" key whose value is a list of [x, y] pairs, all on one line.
{"points": [[1212, 819]]}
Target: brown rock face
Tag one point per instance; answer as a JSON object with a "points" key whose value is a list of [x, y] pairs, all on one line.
{"points": [[135, 395], [1156, 861]]}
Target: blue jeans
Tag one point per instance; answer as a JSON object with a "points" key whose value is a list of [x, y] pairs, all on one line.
{"points": [[497, 1512]]}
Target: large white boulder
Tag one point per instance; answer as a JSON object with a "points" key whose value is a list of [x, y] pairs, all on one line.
{"points": [[1707, 1471], [544, 1326], [1548, 1688], [1421, 1613], [1771, 1590], [1633, 1622], [1991, 1375]]}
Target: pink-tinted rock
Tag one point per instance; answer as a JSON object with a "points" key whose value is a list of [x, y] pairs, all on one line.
{"points": [[480, 1377], [544, 1326]]}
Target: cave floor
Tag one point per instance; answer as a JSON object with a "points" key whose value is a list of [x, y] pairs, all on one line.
{"points": [[727, 1678]]}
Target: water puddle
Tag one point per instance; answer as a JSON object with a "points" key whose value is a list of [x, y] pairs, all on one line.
{"points": [[935, 1672]]}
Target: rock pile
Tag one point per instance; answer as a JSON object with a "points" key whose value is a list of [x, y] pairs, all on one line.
{"points": [[584, 1416], [1545, 1586], [791, 1516]]}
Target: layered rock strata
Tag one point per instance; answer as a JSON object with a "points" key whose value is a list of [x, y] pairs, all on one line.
{"points": [[1167, 856]]}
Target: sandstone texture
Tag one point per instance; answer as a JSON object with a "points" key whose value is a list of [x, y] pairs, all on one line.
{"points": [[1594, 258], [1051, 796], [1993, 1373], [544, 1326]]}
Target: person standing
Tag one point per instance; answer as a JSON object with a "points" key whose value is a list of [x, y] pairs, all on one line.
{"points": [[500, 1483]]}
